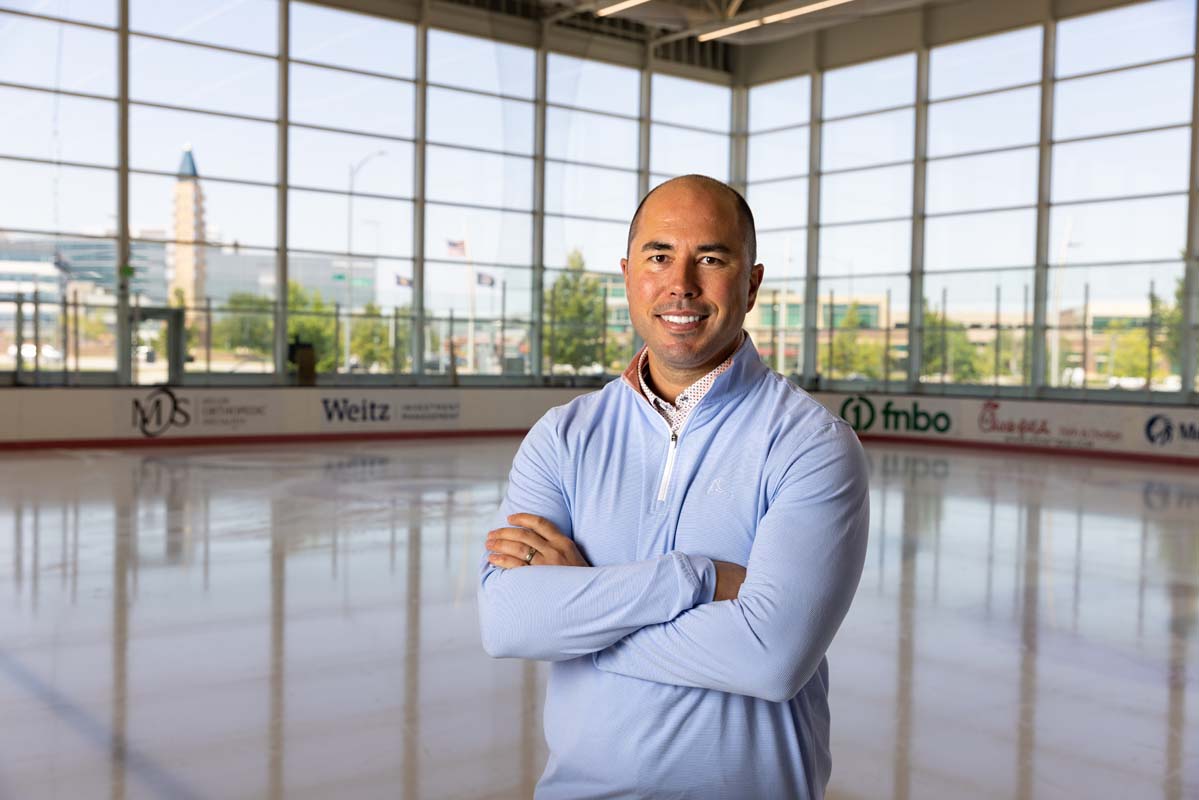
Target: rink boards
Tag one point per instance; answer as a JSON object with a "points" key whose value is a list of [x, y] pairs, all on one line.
{"points": [[55, 417]]}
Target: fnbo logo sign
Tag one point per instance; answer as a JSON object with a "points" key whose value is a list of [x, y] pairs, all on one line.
{"points": [[858, 411]]}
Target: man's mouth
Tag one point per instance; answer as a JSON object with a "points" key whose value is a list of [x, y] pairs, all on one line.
{"points": [[682, 322]]}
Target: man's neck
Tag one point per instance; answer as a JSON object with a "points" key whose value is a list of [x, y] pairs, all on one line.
{"points": [[669, 383]]}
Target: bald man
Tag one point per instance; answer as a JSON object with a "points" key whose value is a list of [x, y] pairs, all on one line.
{"points": [[684, 543]]}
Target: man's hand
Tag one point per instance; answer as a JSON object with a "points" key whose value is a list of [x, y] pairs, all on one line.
{"points": [[729, 577], [510, 546]]}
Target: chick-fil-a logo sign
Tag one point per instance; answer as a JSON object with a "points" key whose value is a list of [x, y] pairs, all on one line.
{"points": [[989, 421]]}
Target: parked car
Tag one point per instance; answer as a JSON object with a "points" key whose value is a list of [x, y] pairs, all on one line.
{"points": [[29, 352]]}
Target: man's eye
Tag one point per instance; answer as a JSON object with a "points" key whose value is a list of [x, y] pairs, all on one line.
{"points": [[711, 260], [658, 258]]}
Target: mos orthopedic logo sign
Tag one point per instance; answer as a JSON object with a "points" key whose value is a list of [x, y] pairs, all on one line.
{"points": [[159, 411], [1161, 430], [859, 411]]}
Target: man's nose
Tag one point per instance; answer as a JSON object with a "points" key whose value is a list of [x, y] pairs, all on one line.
{"points": [[683, 279]]}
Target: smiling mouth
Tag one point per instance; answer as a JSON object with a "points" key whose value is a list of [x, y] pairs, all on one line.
{"points": [[682, 323]]}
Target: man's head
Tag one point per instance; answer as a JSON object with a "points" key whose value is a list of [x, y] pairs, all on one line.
{"points": [[689, 272]]}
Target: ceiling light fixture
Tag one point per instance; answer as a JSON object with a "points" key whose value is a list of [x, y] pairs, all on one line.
{"points": [[618, 7], [799, 12], [729, 31]]}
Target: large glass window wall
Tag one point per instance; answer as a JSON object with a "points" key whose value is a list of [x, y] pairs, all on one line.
{"points": [[777, 189], [591, 186], [58, 234], [1003, 210], [1040, 205], [508, 235], [865, 220], [1118, 217], [980, 226]]}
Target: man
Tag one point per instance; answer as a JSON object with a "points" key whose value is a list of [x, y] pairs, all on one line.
{"points": [[684, 543]]}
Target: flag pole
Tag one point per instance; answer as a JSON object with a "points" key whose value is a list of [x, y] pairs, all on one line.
{"points": [[470, 322], [503, 321]]}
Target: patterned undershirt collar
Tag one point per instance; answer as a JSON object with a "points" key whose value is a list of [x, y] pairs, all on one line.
{"points": [[676, 413]]}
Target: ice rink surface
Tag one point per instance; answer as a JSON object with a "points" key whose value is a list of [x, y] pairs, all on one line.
{"points": [[300, 622]]}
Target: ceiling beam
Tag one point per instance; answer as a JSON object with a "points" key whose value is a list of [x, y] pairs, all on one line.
{"points": [[746, 18]]}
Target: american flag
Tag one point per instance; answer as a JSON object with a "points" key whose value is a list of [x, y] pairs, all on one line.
{"points": [[483, 279], [456, 247], [403, 281]]}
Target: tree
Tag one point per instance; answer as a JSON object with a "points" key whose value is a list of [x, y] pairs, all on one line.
{"points": [[93, 328], [574, 314], [854, 355], [1012, 352], [947, 349], [371, 340], [1170, 320], [246, 323], [310, 319], [1129, 353]]}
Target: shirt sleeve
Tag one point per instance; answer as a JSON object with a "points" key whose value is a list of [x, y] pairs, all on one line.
{"points": [[553, 613], [803, 571]]}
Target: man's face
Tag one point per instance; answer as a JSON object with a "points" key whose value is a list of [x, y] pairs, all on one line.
{"points": [[687, 276]]}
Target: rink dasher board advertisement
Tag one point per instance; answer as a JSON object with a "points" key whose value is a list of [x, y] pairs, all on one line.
{"points": [[155, 414], [1166, 432], [149, 415]]}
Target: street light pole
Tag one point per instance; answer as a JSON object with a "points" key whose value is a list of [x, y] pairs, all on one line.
{"points": [[350, 251]]}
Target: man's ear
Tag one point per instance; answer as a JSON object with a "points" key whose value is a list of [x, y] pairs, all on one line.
{"points": [[624, 269], [756, 272]]}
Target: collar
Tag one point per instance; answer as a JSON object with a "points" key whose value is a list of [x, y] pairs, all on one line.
{"points": [[745, 370], [688, 395]]}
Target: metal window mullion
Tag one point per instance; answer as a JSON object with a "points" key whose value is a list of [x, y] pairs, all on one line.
{"points": [[1189, 351], [1015, 87], [221, 48], [28, 87], [1036, 379], [811, 315], [281, 167], [595, 111], [644, 142], [644, 122], [204, 111], [1123, 68], [538, 276], [739, 140], [50, 162], [63, 20], [124, 328], [916, 275], [418, 192], [364, 73]]}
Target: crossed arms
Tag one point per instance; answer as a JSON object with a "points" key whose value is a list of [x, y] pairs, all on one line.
{"points": [[661, 619]]}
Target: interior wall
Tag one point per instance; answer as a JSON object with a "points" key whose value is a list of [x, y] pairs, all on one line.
{"points": [[863, 40], [515, 30], [901, 32]]}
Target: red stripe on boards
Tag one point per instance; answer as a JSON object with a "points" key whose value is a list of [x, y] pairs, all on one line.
{"points": [[363, 436], [192, 441]]}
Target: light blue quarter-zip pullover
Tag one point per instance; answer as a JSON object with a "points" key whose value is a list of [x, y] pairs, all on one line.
{"points": [[656, 690]]}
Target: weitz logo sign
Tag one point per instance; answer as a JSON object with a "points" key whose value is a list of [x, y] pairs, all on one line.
{"points": [[343, 409], [159, 411], [858, 411]]}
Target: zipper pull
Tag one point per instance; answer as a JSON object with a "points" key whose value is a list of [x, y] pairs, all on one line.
{"points": [[674, 437]]}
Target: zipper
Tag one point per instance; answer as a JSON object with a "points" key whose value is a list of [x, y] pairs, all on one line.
{"points": [[674, 444]]}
